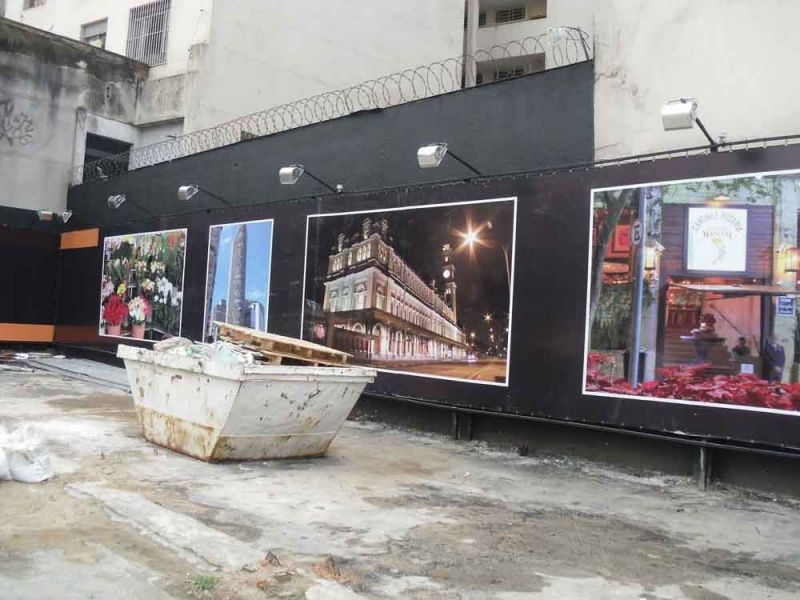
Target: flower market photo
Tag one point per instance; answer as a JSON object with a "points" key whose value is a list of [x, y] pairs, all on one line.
{"points": [[142, 285]]}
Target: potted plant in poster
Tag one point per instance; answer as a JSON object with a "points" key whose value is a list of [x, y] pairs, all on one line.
{"points": [[114, 312], [138, 310]]}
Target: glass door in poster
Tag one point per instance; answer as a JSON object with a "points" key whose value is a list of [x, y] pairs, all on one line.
{"points": [[707, 294]]}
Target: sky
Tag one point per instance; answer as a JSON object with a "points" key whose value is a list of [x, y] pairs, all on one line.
{"points": [[259, 257], [418, 235]]}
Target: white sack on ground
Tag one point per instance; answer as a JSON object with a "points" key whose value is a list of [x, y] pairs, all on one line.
{"points": [[26, 459]]}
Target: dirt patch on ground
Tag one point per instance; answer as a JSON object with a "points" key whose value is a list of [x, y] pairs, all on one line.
{"points": [[495, 547]]}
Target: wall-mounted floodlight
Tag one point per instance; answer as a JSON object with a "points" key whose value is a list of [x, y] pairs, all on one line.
{"points": [[187, 192], [116, 201], [682, 114], [50, 216], [431, 156], [291, 174]]}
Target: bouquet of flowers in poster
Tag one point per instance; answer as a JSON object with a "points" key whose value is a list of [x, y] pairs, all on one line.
{"points": [[142, 285]]}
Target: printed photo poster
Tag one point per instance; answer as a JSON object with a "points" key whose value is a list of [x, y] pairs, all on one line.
{"points": [[420, 290], [709, 303], [238, 277], [141, 293]]}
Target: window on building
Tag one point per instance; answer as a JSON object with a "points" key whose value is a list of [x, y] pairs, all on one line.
{"points": [[482, 19], [32, 4], [147, 32], [94, 34], [508, 15], [361, 296]]}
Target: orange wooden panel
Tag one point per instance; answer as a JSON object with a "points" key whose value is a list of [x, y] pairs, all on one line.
{"points": [[26, 332], [78, 334], [82, 238]]}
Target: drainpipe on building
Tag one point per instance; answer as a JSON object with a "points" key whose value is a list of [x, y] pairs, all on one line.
{"points": [[472, 9]]}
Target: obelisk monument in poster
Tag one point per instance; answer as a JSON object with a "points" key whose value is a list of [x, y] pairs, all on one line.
{"points": [[237, 306]]}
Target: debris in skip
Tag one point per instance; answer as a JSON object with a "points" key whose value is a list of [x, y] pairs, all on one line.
{"points": [[249, 396]]}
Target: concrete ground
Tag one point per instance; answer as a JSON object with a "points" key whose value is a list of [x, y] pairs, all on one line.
{"points": [[387, 514]]}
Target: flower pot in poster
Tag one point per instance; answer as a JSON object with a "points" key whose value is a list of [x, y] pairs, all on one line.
{"points": [[113, 329], [137, 331]]}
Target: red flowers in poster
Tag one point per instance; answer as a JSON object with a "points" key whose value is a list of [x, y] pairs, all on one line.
{"points": [[698, 384], [115, 310]]}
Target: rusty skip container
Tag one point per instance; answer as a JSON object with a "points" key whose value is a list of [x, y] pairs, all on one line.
{"points": [[216, 411]]}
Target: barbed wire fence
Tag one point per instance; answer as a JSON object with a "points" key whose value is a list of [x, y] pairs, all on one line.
{"points": [[559, 46]]}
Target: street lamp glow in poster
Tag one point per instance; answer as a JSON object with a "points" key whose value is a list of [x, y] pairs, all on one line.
{"points": [[238, 277], [421, 290], [142, 285], [707, 297]]}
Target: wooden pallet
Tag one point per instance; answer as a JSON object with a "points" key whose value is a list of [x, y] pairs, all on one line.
{"points": [[275, 349]]}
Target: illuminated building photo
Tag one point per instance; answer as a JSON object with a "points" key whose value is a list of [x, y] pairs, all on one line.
{"points": [[237, 282], [423, 290], [700, 277]]}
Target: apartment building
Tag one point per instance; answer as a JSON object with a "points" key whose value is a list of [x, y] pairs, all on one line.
{"points": [[212, 61], [510, 38]]}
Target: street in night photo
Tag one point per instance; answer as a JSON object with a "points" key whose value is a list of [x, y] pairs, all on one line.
{"points": [[422, 290]]}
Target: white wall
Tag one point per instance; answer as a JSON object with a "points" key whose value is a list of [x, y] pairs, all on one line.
{"points": [[737, 57], [189, 24], [306, 47]]}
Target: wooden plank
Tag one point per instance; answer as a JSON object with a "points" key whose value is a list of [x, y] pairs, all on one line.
{"points": [[276, 348]]}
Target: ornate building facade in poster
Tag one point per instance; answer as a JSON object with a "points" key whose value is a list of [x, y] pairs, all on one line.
{"points": [[385, 286]]}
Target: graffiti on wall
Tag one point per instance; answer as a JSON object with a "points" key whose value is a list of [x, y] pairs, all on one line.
{"points": [[16, 127]]}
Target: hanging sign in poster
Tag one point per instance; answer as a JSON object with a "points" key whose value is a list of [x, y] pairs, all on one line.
{"points": [[716, 240]]}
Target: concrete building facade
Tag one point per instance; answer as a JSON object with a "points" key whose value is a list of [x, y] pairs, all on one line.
{"points": [[55, 96], [216, 61]]}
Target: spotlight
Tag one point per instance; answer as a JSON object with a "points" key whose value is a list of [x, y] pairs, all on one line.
{"points": [[431, 156], [291, 174], [116, 201], [679, 114], [185, 192], [682, 114]]}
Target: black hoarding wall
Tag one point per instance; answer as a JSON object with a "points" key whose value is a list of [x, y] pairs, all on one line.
{"points": [[552, 245], [28, 277]]}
